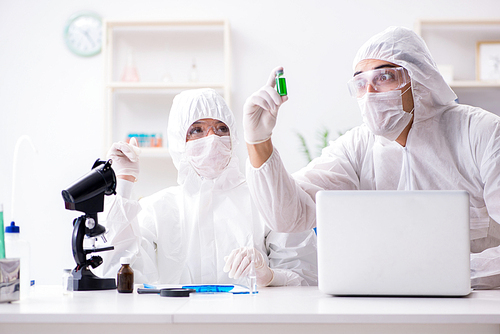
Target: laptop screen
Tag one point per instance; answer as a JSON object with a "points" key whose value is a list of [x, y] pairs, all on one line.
{"points": [[393, 242]]}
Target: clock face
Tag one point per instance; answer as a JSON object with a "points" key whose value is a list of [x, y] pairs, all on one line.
{"points": [[83, 34]]}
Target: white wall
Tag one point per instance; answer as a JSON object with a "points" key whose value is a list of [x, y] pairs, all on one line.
{"points": [[57, 97]]}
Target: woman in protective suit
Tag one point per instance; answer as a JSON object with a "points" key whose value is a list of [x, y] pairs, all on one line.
{"points": [[206, 229], [414, 136]]}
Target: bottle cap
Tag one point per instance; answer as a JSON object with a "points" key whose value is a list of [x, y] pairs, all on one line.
{"points": [[124, 260], [1, 206], [12, 228], [279, 72]]}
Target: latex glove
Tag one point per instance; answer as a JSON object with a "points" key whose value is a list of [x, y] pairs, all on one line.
{"points": [[260, 111], [238, 264], [125, 158]]}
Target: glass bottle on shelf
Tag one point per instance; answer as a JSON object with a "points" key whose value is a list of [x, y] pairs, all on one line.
{"points": [[193, 73], [167, 77], [158, 140], [130, 73]]}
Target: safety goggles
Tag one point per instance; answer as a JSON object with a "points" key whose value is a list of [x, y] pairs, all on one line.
{"points": [[381, 80], [201, 128]]}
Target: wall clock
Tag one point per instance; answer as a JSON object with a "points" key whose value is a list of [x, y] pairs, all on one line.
{"points": [[83, 34]]}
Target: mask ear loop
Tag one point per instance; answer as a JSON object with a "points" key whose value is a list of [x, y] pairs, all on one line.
{"points": [[230, 147], [407, 89]]}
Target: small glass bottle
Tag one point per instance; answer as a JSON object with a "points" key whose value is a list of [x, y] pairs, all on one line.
{"points": [[130, 73], [193, 74], [281, 83], [159, 140], [125, 277], [67, 282], [167, 77]]}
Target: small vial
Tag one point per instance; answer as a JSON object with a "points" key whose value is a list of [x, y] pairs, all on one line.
{"points": [[152, 141], [130, 73], [125, 277], [252, 275], [67, 282], [281, 83], [193, 74], [159, 140]]}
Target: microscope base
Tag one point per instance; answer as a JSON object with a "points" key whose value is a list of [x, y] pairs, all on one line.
{"points": [[85, 280]]}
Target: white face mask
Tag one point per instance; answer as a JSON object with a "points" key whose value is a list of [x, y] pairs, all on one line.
{"points": [[383, 113], [209, 155]]}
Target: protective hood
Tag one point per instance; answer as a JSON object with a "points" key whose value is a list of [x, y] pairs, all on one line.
{"points": [[188, 107], [404, 47]]}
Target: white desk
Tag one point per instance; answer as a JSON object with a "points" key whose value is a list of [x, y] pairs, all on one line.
{"points": [[277, 310]]}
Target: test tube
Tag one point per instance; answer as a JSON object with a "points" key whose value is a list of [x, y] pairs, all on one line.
{"points": [[281, 83], [252, 276], [159, 140]]}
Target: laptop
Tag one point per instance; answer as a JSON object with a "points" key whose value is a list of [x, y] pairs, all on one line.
{"points": [[393, 243]]}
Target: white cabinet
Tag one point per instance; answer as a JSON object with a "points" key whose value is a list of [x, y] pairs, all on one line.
{"points": [[453, 45], [163, 54]]}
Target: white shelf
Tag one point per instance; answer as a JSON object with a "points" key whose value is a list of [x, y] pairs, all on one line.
{"points": [[454, 22], [160, 48], [155, 152], [475, 84], [162, 23], [453, 44], [164, 85]]}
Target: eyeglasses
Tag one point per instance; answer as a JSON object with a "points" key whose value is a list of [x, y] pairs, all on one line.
{"points": [[200, 129], [381, 80]]}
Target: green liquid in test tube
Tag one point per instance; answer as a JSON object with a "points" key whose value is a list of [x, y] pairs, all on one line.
{"points": [[281, 83]]}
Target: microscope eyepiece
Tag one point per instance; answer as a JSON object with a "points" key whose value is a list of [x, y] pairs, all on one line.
{"points": [[86, 194]]}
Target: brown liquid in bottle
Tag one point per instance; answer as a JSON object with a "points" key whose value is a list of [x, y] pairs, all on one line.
{"points": [[125, 279]]}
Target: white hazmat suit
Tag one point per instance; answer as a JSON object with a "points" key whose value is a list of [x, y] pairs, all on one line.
{"points": [[182, 234], [449, 147]]}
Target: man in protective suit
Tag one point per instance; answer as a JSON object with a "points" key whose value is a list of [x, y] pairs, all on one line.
{"points": [[414, 136]]}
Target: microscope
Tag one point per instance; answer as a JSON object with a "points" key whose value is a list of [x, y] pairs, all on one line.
{"points": [[87, 195]]}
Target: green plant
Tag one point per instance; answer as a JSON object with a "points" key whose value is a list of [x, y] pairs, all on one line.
{"points": [[303, 147], [323, 138]]}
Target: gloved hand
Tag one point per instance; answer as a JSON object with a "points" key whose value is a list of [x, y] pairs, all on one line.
{"points": [[125, 158], [238, 264], [260, 111]]}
